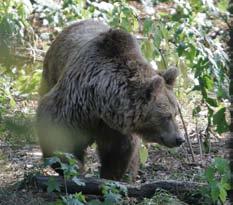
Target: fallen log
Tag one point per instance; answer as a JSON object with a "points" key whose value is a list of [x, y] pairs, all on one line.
{"points": [[93, 186]]}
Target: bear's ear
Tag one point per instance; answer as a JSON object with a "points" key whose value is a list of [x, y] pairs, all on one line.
{"points": [[153, 87], [170, 76], [116, 42]]}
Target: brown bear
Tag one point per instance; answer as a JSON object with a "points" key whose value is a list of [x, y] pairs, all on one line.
{"points": [[97, 87]]}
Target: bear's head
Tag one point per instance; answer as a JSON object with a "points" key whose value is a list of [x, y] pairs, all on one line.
{"points": [[159, 124]]}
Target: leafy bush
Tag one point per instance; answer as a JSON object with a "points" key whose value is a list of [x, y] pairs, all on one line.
{"points": [[218, 177], [13, 23], [112, 192]]}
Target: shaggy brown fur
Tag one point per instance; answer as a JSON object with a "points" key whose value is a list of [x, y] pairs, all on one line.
{"points": [[97, 87]]}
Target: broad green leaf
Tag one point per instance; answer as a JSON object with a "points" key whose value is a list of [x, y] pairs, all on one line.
{"points": [[208, 82], [222, 194], [181, 48], [12, 102], [53, 185], [223, 5], [191, 52], [148, 50], [135, 24], [80, 197], [214, 191], [226, 186], [147, 25], [219, 119], [212, 102], [221, 164], [209, 174], [112, 199]]}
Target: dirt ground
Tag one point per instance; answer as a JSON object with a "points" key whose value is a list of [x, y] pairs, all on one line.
{"points": [[16, 163]]}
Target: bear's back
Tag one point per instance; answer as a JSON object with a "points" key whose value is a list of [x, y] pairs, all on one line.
{"points": [[65, 47]]}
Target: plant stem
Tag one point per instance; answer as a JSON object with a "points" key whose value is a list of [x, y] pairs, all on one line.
{"points": [[65, 184], [186, 134]]}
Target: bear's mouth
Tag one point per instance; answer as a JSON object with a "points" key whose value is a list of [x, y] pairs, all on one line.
{"points": [[162, 142]]}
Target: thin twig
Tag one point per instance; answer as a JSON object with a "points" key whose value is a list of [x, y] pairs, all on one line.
{"points": [[199, 141], [186, 152], [163, 59], [65, 185], [186, 134], [207, 138]]}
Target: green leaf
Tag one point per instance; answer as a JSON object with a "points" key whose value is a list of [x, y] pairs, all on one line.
{"points": [[112, 199], [74, 199], [208, 82], [58, 202], [222, 194], [180, 29], [209, 174], [219, 120], [95, 202], [12, 102], [148, 49], [211, 101], [191, 52], [53, 185], [226, 186], [147, 25], [143, 154], [126, 24], [220, 164], [181, 48], [214, 191], [80, 197], [77, 181]]}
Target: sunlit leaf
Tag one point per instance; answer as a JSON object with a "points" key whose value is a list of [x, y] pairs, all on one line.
{"points": [[222, 194], [143, 153]]}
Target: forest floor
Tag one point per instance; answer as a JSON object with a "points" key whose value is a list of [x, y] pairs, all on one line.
{"points": [[19, 160]]}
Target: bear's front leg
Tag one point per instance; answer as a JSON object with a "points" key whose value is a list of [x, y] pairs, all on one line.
{"points": [[115, 152], [134, 163]]}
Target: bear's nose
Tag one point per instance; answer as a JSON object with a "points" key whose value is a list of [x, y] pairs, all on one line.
{"points": [[179, 141]]}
